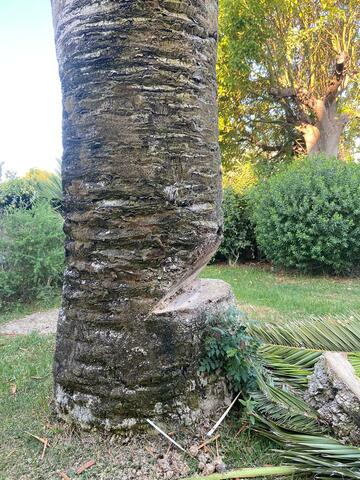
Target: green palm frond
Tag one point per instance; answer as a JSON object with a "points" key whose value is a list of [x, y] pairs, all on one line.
{"points": [[354, 359], [300, 357], [287, 358], [338, 334], [285, 417], [281, 405], [288, 364], [317, 454], [286, 399], [52, 188], [323, 455]]}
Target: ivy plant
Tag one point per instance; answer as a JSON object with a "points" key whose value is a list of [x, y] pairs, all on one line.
{"points": [[230, 350]]}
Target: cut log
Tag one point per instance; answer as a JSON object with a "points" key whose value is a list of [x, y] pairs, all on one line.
{"points": [[334, 391]]}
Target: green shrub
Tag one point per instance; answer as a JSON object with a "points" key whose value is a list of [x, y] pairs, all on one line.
{"points": [[31, 252], [241, 177], [308, 216], [239, 237], [17, 193]]}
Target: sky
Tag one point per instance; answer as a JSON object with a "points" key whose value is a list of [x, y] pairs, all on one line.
{"points": [[30, 97]]}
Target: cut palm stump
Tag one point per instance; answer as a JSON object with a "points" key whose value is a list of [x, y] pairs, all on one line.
{"points": [[142, 205]]}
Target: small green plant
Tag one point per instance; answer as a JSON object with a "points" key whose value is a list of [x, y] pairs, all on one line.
{"points": [[229, 349]]}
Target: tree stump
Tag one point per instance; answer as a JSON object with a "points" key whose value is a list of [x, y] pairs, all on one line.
{"points": [[151, 372], [334, 391]]}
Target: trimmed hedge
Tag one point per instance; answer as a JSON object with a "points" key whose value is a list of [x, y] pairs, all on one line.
{"points": [[308, 216]]}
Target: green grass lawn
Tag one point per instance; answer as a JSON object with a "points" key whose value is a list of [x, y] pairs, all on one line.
{"points": [[26, 382], [267, 295], [26, 413]]}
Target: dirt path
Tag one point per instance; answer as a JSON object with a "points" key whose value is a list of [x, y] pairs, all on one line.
{"points": [[42, 322]]}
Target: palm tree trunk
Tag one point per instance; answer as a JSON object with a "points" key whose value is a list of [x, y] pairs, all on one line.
{"points": [[141, 182]]}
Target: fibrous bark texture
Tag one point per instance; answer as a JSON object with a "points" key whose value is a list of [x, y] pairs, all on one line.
{"points": [[141, 180], [334, 391]]}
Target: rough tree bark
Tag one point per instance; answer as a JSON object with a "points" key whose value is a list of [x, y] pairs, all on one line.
{"points": [[141, 181], [334, 391], [317, 118]]}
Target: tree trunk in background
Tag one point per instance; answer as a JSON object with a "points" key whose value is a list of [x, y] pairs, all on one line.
{"points": [[141, 181], [316, 118], [324, 136]]}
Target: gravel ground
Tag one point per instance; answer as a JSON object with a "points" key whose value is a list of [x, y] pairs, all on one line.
{"points": [[42, 322]]}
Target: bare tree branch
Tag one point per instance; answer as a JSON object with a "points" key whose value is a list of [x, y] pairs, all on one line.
{"points": [[338, 78]]}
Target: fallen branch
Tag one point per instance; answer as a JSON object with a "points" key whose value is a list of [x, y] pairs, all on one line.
{"points": [[44, 441], [64, 476], [249, 473], [85, 466]]}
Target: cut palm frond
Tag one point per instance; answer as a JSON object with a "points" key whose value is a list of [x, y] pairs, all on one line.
{"points": [[354, 359], [304, 358], [286, 359], [318, 333], [321, 455], [286, 399], [255, 472], [285, 417], [288, 364]]}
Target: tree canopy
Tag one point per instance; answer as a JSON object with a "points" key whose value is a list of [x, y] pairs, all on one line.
{"points": [[284, 67]]}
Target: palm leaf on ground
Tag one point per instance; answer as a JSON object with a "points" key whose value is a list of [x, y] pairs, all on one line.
{"points": [[338, 334], [320, 455], [288, 356], [288, 364]]}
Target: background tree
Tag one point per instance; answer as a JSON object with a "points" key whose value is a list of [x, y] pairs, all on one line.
{"points": [[288, 77]]}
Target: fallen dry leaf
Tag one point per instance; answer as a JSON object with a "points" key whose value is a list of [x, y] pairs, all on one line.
{"points": [[13, 389], [46, 443], [85, 466], [42, 440], [64, 476]]}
